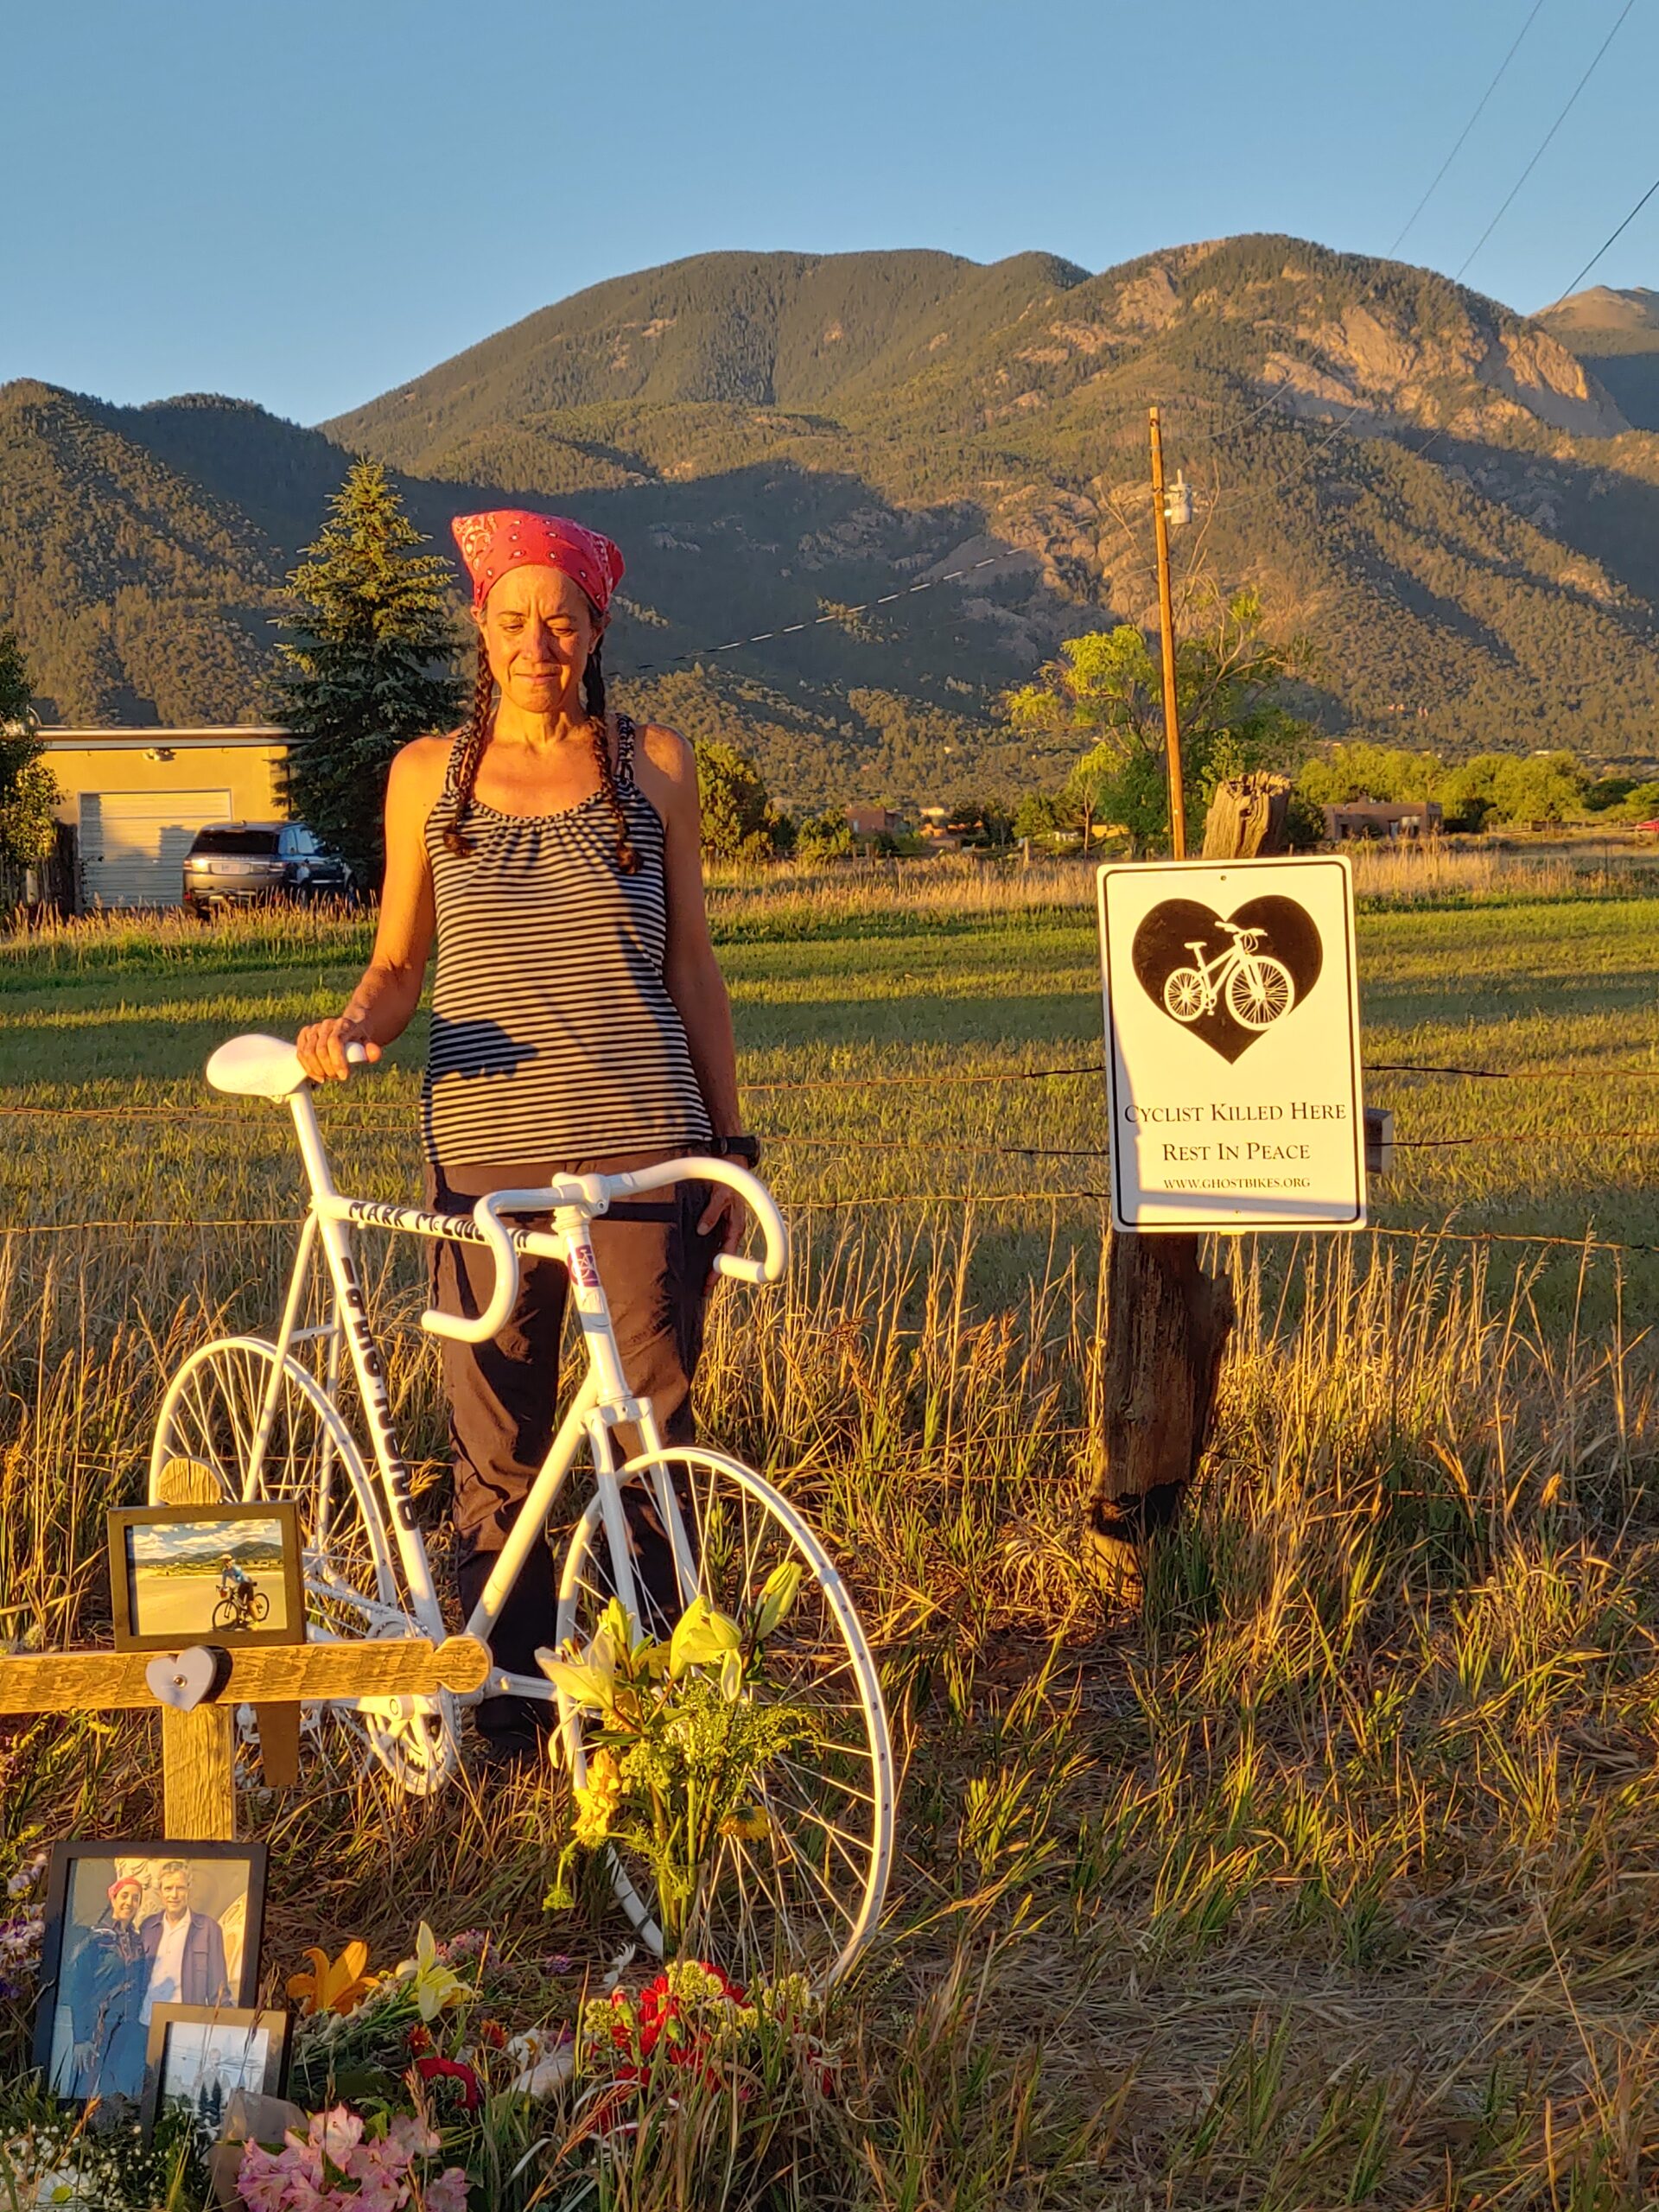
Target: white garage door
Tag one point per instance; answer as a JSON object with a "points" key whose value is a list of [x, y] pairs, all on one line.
{"points": [[133, 843]]}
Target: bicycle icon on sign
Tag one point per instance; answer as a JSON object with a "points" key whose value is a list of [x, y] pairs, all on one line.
{"points": [[1258, 989]]}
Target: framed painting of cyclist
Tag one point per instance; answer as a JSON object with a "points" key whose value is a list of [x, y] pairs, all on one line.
{"points": [[1232, 1044], [207, 1574]]}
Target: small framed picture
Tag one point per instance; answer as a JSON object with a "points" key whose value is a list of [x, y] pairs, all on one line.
{"points": [[130, 1927], [201, 2056], [224, 1574]]}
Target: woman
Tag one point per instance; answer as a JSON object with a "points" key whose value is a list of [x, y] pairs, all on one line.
{"points": [[105, 1994], [579, 1022]]}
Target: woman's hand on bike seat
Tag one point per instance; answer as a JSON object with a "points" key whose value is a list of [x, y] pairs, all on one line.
{"points": [[322, 1047]]}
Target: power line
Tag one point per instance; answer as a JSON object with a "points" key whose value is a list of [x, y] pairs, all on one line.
{"points": [[1480, 109], [840, 614], [1305, 471], [1267, 404], [1543, 144], [1612, 238]]}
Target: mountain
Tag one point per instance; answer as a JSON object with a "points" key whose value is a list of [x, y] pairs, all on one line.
{"points": [[1448, 498], [1616, 335]]}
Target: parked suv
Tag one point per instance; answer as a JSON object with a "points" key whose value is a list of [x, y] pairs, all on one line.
{"points": [[239, 863]]}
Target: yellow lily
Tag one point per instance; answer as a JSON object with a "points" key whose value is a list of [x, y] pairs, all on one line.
{"points": [[333, 1985], [702, 1637], [435, 1984]]}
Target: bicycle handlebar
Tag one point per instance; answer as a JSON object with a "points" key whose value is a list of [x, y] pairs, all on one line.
{"points": [[269, 1067], [594, 1194]]}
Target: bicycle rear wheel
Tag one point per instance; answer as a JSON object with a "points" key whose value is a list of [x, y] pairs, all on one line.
{"points": [[262, 1427], [805, 1894]]}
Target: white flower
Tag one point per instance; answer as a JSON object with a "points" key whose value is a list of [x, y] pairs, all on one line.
{"points": [[61, 2187], [542, 2061]]}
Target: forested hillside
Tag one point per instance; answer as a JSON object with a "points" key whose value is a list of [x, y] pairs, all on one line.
{"points": [[1438, 493]]}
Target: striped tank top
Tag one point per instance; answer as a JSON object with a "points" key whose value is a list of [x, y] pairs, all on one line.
{"points": [[553, 1034]]}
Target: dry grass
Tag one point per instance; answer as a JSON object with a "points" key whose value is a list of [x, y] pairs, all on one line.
{"points": [[1331, 1881]]}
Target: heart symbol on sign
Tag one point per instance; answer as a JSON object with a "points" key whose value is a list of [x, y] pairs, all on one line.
{"points": [[1229, 980], [182, 1680]]}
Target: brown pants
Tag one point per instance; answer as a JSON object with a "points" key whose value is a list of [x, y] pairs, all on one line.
{"points": [[502, 1395]]}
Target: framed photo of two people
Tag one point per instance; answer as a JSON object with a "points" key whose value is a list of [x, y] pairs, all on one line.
{"points": [[131, 1927]]}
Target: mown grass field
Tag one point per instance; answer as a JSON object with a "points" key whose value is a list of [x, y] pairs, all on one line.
{"points": [[1335, 1879]]}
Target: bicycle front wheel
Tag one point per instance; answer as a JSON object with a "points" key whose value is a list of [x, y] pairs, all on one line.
{"points": [[800, 1890], [1260, 994]]}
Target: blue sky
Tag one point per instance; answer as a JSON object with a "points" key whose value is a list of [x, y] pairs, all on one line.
{"points": [[306, 202]]}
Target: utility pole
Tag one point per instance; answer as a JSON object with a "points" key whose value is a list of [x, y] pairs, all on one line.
{"points": [[1167, 626]]}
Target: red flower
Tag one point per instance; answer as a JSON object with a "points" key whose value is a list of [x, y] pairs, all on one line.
{"points": [[492, 2035], [419, 2039], [452, 2069]]}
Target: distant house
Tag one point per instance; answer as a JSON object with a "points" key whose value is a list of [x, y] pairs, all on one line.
{"points": [[1372, 817], [135, 799], [867, 821], [937, 828]]}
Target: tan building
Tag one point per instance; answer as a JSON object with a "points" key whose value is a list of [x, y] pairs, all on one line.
{"points": [[1371, 817], [135, 797]]}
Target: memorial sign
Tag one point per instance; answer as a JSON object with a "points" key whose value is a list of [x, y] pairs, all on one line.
{"points": [[1232, 1044]]}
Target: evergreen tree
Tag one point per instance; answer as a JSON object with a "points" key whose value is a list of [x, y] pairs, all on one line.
{"points": [[28, 791], [739, 820], [369, 664]]}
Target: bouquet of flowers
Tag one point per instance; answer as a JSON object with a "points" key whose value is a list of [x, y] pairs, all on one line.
{"points": [[684, 1737], [345, 2164]]}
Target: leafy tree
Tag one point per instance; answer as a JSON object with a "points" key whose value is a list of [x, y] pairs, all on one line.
{"points": [[29, 816], [29, 792], [369, 663], [1360, 770], [1640, 804], [1608, 791], [1540, 788], [1536, 787], [1107, 689], [1040, 814], [823, 837], [739, 820]]}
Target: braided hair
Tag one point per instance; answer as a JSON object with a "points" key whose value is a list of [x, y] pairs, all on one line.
{"points": [[477, 736]]}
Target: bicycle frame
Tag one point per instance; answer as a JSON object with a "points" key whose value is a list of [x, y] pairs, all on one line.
{"points": [[1212, 973], [602, 1403]]}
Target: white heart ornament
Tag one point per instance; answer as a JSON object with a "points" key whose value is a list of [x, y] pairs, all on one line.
{"points": [[183, 1680]]}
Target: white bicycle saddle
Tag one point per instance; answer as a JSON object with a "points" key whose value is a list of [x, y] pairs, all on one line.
{"points": [[256, 1067]]}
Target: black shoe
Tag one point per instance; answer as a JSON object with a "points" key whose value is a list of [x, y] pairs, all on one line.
{"points": [[513, 1733]]}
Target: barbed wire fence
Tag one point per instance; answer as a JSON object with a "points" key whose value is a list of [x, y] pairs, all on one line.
{"points": [[343, 1119]]}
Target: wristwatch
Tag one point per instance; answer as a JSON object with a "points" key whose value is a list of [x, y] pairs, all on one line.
{"points": [[747, 1149]]}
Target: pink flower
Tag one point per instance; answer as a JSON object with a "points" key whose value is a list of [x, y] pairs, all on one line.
{"points": [[335, 2133], [409, 2138], [447, 2193], [382, 2189]]}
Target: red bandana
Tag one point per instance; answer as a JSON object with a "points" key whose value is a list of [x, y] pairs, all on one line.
{"points": [[511, 539]]}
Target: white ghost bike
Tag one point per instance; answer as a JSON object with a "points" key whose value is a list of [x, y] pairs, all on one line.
{"points": [[805, 1885]]}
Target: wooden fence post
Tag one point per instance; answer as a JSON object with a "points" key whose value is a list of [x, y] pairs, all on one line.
{"points": [[1167, 1322]]}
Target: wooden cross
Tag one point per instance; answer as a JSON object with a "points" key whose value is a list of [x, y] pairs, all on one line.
{"points": [[198, 1745]]}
